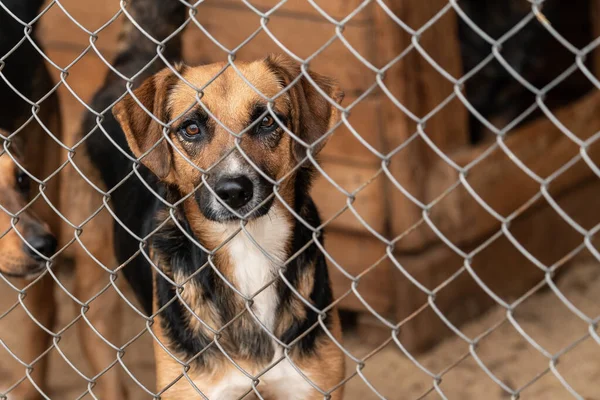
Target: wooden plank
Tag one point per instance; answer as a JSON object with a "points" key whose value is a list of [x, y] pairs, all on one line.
{"points": [[354, 76], [89, 13], [370, 330], [540, 145], [57, 29], [93, 14], [356, 254], [368, 201], [419, 88], [501, 266], [337, 9], [199, 49], [65, 44], [345, 147]]}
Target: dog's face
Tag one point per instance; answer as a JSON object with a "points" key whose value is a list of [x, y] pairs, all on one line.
{"points": [[17, 258], [233, 176]]}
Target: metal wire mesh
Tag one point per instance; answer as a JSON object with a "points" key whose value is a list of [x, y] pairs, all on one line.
{"points": [[106, 267]]}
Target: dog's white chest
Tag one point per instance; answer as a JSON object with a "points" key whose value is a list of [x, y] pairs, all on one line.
{"points": [[280, 382], [256, 256]]}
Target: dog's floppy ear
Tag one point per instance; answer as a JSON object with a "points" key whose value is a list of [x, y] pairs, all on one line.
{"points": [[141, 131], [312, 114]]}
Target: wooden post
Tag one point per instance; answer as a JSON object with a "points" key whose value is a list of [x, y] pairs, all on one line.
{"points": [[420, 88], [540, 145], [356, 254], [501, 266]]}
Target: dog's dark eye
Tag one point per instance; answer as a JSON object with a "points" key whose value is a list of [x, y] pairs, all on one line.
{"points": [[267, 121], [191, 130], [23, 182], [267, 124]]}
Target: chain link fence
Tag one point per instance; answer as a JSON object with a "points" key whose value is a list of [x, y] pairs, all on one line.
{"points": [[509, 94]]}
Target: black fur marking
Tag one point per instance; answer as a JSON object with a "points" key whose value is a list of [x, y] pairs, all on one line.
{"points": [[321, 295], [183, 257], [175, 250], [159, 19]]}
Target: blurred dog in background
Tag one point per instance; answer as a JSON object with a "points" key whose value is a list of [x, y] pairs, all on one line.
{"points": [[31, 156], [26, 245], [24, 248]]}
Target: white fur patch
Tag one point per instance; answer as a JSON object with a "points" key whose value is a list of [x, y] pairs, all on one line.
{"points": [[280, 382], [233, 165], [232, 386], [284, 382], [252, 268], [252, 271]]}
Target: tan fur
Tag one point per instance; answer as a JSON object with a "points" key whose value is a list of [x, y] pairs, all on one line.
{"points": [[13, 257], [327, 367], [191, 294], [296, 308], [169, 370]]}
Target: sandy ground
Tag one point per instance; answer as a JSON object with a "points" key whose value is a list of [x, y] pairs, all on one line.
{"points": [[504, 352]]}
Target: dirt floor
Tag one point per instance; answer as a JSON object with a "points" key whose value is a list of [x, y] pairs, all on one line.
{"points": [[504, 353]]}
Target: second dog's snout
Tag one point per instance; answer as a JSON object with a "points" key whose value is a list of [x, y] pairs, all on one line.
{"points": [[235, 192], [44, 244]]}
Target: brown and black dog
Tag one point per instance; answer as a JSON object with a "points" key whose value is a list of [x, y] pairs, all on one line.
{"points": [[219, 299]]}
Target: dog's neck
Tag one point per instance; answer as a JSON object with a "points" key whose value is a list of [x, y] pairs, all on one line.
{"points": [[250, 260], [252, 257]]}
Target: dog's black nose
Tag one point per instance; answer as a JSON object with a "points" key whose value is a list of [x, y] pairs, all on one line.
{"points": [[235, 192], [45, 244]]}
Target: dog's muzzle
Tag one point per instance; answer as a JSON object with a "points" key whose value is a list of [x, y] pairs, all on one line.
{"points": [[236, 191]]}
